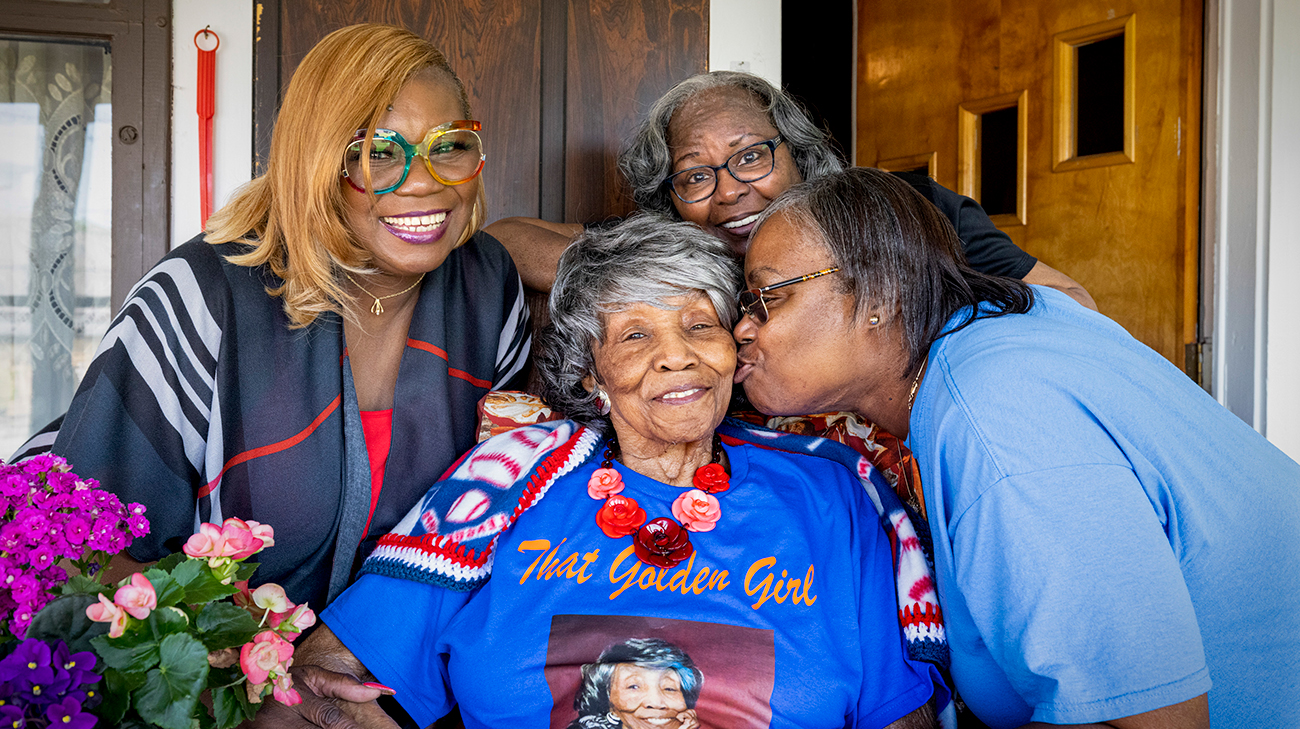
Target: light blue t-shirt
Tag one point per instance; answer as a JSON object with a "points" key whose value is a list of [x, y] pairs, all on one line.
{"points": [[1108, 539], [787, 609]]}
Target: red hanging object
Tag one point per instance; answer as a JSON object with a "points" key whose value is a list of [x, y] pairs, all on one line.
{"points": [[207, 103]]}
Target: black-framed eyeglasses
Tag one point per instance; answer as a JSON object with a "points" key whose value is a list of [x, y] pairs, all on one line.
{"points": [[750, 164], [752, 302]]}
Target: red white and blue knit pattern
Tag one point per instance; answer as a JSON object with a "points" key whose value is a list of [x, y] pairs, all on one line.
{"points": [[448, 538]]}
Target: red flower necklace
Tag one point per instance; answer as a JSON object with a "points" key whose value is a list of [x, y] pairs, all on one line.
{"points": [[661, 542]]}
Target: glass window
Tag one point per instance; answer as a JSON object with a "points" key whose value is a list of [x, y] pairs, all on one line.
{"points": [[55, 224]]}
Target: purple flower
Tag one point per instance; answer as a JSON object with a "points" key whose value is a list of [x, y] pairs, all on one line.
{"points": [[25, 588], [138, 525], [68, 713], [76, 530], [12, 716], [43, 557], [28, 666]]}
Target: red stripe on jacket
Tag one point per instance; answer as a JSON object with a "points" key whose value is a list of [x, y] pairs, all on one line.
{"points": [[462, 374], [267, 450]]}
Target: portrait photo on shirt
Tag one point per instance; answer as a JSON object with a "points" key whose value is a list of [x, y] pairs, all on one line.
{"points": [[694, 674]]}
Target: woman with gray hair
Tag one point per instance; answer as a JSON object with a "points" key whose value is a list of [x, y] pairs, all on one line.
{"points": [[645, 504], [637, 683], [718, 148]]}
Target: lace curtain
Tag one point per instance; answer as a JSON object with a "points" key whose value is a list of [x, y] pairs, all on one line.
{"points": [[59, 84]]}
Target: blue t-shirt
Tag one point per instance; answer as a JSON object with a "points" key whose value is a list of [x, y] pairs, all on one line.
{"points": [[786, 608], [1108, 538]]}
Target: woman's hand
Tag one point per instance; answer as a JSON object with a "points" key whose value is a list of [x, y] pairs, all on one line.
{"points": [[325, 675], [329, 700], [688, 720]]}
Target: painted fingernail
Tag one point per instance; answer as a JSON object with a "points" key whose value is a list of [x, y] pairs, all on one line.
{"points": [[381, 687]]}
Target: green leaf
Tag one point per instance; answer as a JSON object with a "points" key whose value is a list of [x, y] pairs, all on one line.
{"points": [[230, 706], [168, 563], [245, 571], [206, 588], [224, 625], [187, 571], [65, 619], [131, 653], [116, 691], [165, 588], [166, 621], [171, 691], [82, 585]]}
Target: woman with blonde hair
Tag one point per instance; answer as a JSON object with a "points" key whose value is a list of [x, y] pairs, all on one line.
{"points": [[314, 360]]}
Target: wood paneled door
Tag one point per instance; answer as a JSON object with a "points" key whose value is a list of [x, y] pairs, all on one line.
{"points": [[558, 84], [1108, 94]]}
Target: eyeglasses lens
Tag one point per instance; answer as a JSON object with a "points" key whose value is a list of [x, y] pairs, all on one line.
{"points": [[751, 303], [455, 156], [750, 164], [452, 156], [387, 163]]}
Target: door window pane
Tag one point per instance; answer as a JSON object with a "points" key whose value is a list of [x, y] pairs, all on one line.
{"points": [[1100, 101], [999, 132], [55, 225]]}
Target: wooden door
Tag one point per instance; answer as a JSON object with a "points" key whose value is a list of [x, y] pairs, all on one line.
{"points": [[1123, 223], [558, 84]]}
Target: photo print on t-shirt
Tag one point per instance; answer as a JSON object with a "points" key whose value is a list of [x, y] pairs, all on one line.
{"points": [[606, 671]]}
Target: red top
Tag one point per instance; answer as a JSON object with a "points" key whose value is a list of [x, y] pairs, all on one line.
{"points": [[378, 427]]}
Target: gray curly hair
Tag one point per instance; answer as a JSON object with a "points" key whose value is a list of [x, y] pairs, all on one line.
{"points": [[592, 699], [647, 161], [644, 259]]}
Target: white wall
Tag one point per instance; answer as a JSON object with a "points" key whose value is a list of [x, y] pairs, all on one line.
{"points": [[232, 123], [1252, 152], [1282, 424], [745, 35]]}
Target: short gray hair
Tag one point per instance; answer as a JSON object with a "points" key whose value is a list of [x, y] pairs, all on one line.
{"points": [[646, 162], [592, 698], [645, 259]]}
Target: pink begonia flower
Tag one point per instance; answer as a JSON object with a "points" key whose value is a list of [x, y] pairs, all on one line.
{"points": [[206, 543], [265, 654], [604, 483], [697, 510], [263, 532], [271, 597], [239, 540], [243, 598], [137, 597], [108, 612], [293, 623], [284, 692]]}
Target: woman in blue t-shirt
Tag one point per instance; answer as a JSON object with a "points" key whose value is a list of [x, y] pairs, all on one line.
{"points": [[645, 521]]}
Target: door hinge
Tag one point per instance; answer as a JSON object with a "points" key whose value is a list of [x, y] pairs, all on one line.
{"points": [[1196, 362]]}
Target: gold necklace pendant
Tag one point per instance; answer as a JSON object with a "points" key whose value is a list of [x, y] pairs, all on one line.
{"points": [[377, 308]]}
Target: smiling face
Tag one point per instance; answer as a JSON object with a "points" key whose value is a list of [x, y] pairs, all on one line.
{"points": [[812, 355], [707, 130], [667, 372], [411, 230], [646, 698]]}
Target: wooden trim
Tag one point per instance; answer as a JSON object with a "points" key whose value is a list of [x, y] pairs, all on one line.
{"points": [[895, 164], [266, 79], [554, 89], [1189, 149], [139, 34], [1065, 87], [968, 134]]}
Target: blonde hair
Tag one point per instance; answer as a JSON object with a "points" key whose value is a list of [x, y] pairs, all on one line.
{"points": [[292, 215]]}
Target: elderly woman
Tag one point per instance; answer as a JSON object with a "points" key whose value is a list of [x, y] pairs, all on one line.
{"points": [[718, 148], [645, 504], [1108, 539], [314, 360], [640, 683]]}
